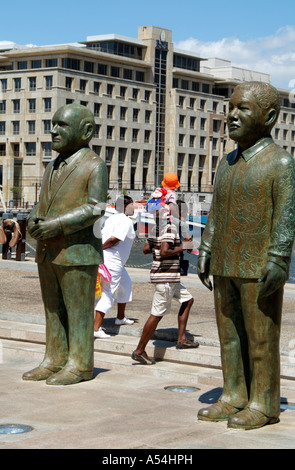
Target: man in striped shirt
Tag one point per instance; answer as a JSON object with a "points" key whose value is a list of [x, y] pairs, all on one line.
{"points": [[165, 245]]}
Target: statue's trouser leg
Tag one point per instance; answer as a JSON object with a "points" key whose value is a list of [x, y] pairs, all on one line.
{"points": [[249, 334], [56, 354], [68, 294]]}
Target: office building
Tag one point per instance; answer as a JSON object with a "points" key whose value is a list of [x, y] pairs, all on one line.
{"points": [[157, 109]]}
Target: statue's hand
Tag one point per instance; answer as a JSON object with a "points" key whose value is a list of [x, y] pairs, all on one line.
{"points": [[203, 269], [273, 277], [45, 228]]}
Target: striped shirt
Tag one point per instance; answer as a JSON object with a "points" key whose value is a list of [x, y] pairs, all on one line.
{"points": [[164, 269]]}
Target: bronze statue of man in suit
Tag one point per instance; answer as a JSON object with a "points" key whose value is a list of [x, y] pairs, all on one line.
{"points": [[247, 246], [72, 198]]}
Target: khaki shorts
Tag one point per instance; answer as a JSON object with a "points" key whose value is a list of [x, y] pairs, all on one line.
{"points": [[164, 294]]}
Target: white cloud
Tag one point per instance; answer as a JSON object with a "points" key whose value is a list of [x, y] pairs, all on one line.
{"points": [[274, 54]]}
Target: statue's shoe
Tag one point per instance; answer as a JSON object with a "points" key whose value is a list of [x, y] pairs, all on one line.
{"points": [[69, 377], [250, 419], [219, 411], [40, 373]]}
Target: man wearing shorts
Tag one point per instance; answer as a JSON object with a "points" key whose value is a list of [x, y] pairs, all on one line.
{"points": [[164, 244]]}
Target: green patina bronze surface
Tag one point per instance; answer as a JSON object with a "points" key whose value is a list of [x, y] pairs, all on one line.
{"points": [[72, 199], [247, 246]]}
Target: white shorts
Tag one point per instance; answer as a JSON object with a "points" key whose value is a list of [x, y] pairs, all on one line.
{"points": [[120, 284], [164, 294]]}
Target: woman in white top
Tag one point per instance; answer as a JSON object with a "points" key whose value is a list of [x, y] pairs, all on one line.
{"points": [[117, 237]]}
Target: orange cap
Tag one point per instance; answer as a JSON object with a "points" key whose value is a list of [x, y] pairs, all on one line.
{"points": [[170, 181]]}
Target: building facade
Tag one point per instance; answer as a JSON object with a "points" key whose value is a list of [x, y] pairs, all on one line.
{"points": [[157, 109]]}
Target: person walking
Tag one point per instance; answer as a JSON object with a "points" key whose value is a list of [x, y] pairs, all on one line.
{"points": [[117, 236], [164, 244]]}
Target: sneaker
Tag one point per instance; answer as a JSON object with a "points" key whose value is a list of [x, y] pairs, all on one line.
{"points": [[124, 321], [101, 334]]}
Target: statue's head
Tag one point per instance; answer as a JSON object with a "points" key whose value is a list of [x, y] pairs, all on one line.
{"points": [[254, 108], [73, 127]]}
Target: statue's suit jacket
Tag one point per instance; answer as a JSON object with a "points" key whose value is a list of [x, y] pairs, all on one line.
{"points": [[252, 217], [77, 201]]}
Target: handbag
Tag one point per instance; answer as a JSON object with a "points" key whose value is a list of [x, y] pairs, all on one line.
{"points": [[104, 273], [183, 264]]}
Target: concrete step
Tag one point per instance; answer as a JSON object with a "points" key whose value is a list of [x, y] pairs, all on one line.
{"points": [[115, 352]]}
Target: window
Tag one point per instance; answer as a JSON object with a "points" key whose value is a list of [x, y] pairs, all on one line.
{"points": [[3, 107], [83, 84], [48, 82], [110, 130], [216, 125], [2, 150], [22, 65], [110, 89], [148, 116], [32, 83], [184, 84], [16, 106], [96, 131], [97, 107], [147, 95], [180, 140], [50, 63], [135, 135], [47, 105], [102, 69], [181, 101], [88, 67], [127, 74], [96, 86], [123, 91], [123, 111], [195, 86], [36, 64], [192, 122], [47, 149], [181, 120], [191, 140], [115, 71], [135, 114], [205, 88], [31, 127], [147, 135], [2, 128], [135, 93], [110, 110], [203, 124], [32, 105], [73, 64], [3, 85], [202, 104], [15, 127], [192, 103], [139, 76], [47, 126], [30, 149], [122, 133], [215, 106], [17, 84], [202, 142], [69, 82]]}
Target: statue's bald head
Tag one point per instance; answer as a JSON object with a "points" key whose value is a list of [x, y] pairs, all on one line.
{"points": [[73, 127]]}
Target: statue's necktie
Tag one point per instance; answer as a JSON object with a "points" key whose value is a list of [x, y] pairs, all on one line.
{"points": [[57, 173]]}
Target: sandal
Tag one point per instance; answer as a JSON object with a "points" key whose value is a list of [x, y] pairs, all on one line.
{"points": [[142, 358], [187, 344]]}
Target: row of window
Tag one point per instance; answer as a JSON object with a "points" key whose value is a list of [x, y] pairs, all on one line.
{"points": [[83, 66], [32, 83], [31, 105]]}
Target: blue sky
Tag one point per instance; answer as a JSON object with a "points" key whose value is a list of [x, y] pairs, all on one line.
{"points": [[255, 34]]}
